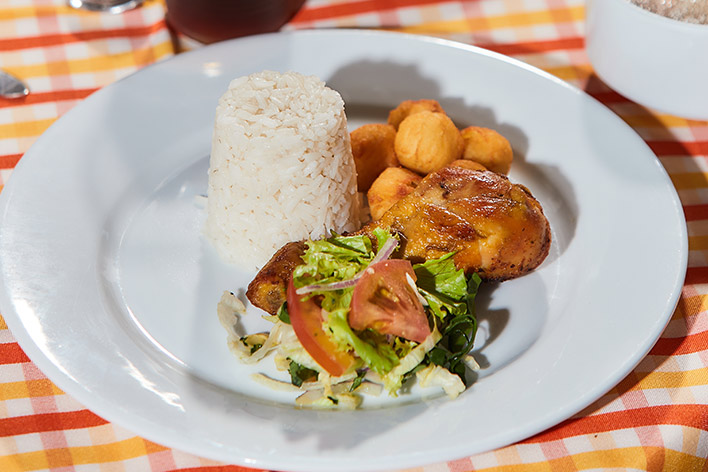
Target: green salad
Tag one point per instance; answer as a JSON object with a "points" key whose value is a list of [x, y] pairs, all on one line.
{"points": [[358, 321]]}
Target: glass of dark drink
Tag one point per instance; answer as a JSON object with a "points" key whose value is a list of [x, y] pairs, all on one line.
{"points": [[209, 21]]}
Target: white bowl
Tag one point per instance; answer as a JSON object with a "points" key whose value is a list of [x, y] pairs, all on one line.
{"points": [[655, 61]]}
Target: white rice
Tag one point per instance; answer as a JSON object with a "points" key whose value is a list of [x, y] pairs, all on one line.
{"points": [[281, 167]]}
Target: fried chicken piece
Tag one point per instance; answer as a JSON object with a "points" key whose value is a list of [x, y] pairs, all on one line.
{"points": [[267, 289], [496, 228]]}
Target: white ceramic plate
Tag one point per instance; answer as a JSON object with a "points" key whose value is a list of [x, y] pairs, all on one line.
{"points": [[111, 291]]}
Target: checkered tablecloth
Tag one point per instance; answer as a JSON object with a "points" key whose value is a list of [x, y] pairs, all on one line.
{"points": [[655, 419]]}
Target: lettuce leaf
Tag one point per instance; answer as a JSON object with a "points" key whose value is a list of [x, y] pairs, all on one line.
{"points": [[443, 286], [450, 296], [381, 357], [459, 332], [440, 276], [333, 259], [382, 236]]}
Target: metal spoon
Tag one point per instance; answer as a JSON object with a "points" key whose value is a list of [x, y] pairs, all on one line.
{"points": [[11, 86], [109, 6]]}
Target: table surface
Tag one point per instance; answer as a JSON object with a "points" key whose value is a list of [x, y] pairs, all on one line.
{"points": [[654, 419]]}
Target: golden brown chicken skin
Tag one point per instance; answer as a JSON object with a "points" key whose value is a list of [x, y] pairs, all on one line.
{"points": [[496, 228], [267, 289]]}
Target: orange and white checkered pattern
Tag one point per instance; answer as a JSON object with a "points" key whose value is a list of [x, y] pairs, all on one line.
{"points": [[655, 419], [64, 55]]}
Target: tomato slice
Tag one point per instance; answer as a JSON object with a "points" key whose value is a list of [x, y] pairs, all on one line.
{"points": [[383, 300], [306, 320]]}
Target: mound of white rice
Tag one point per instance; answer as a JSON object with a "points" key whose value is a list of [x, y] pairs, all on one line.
{"points": [[281, 167]]}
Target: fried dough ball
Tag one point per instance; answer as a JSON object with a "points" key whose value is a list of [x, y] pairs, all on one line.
{"points": [[487, 147], [410, 107], [393, 184], [372, 147], [466, 164], [427, 141]]}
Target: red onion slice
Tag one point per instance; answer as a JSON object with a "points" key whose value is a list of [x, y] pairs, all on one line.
{"points": [[385, 252]]}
